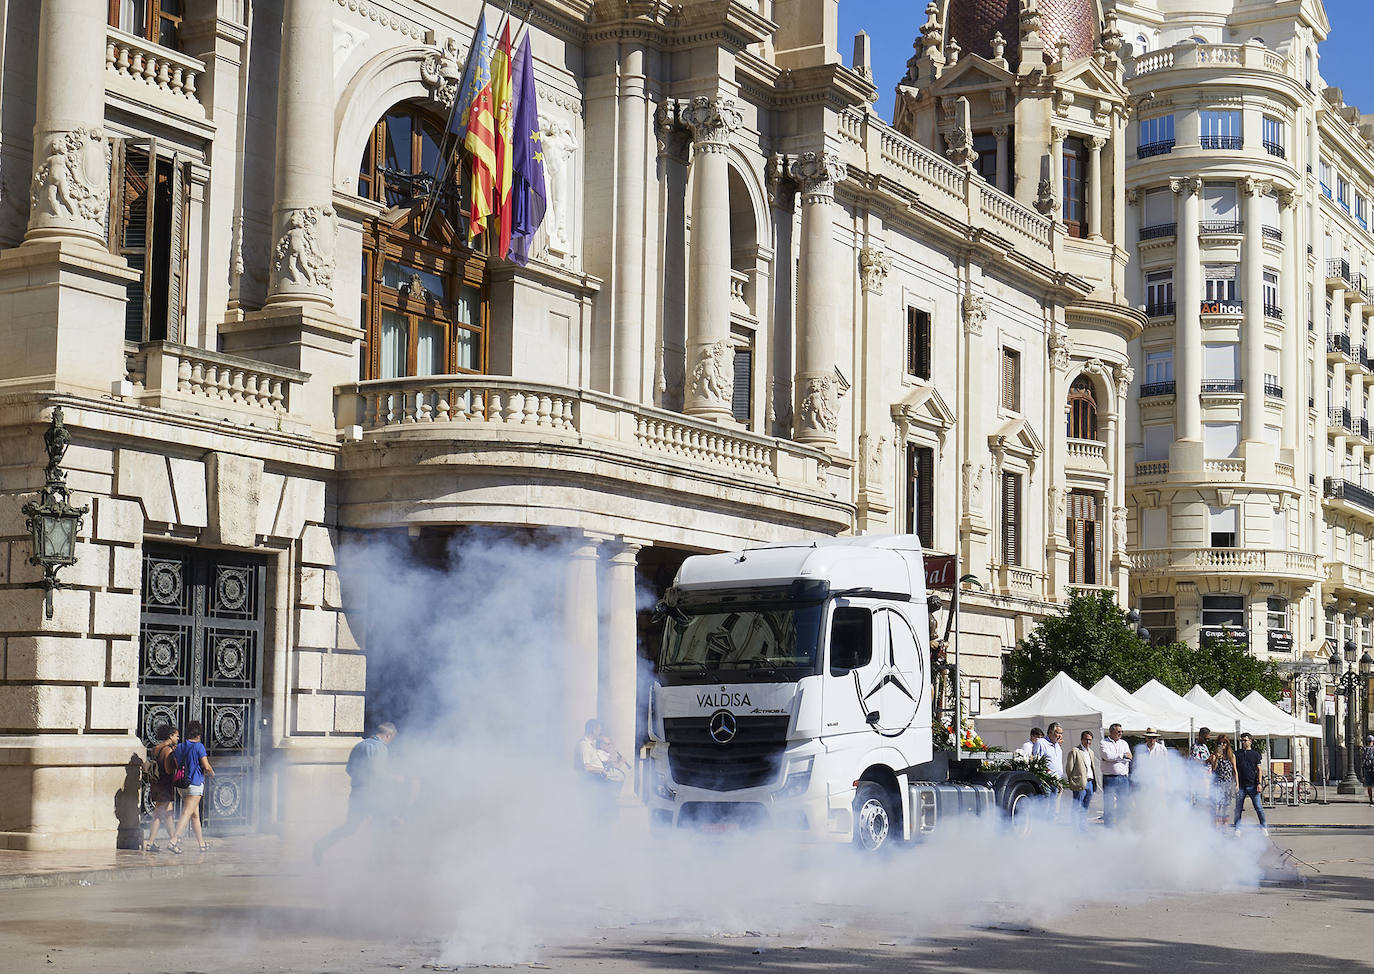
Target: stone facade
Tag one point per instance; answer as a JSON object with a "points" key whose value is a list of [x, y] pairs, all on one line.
{"points": [[756, 312]]}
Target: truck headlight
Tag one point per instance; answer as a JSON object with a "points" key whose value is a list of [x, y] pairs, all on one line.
{"points": [[662, 789], [798, 779]]}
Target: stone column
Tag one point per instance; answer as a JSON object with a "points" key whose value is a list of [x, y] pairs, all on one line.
{"points": [[710, 376], [1003, 180], [1188, 304], [1057, 137], [816, 418], [1095, 200], [303, 223], [580, 672], [620, 702], [628, 312], [1252, 294], [1294, 345]]}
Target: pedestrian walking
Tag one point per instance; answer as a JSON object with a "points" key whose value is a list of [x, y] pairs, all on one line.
{"points": [[368, 798], [1367, 767], [192, 766], [1223, 780], [1036, 739], [161, 792], [1247, 778], [1080, 768], [1116, 775]]}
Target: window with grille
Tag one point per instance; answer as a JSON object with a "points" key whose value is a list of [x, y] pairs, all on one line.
{"points": [[1011, 379], [1271, 295], [1084, 537], [1156, 136], [1075, 183], [1082, 409], [920, 493], [1343, 192], [1159, 294], [1220, 129], [1275, 137], [918, 339], [1011, 519], [149, 198], [158, 21]]}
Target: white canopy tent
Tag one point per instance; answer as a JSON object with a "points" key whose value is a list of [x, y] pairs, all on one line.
{"points": [[1063, 700], [1290, 725], [1173, 716], [1124, 710], [1260, 725], [1225, 719]]}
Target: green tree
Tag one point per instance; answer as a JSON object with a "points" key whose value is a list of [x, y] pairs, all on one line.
{"points": [[1226, 665], [1090, 640]]}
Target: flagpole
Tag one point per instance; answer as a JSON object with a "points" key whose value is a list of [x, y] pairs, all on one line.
{"points": [[442, 173]]}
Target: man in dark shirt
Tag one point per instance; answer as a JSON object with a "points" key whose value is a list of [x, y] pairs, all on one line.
{"points": [[367, 798], [1247, 777]]}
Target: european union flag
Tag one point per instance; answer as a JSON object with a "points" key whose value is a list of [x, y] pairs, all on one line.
{"points": [[529, 199], [476, 76]]}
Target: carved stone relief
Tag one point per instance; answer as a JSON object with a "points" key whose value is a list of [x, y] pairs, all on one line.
{"points": [[817, 173], [304, 253], [441, 71], [713, 376], [73, 183], [818, 413], [874, 266], [712, 121], [560, 143], [973, 487], [1061, 348], [975, 313]]}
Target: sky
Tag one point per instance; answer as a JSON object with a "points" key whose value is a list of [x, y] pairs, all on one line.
{"points": [[894, 25]]}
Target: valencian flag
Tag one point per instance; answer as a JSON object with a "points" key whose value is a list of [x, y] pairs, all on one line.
{"points": [[479, 56], [481, 142], [528, 198], [503, 107]]}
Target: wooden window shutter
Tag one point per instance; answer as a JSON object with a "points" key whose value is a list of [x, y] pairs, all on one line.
{"points": [[918, 343], [1011, 518], [925, 495], [1011, 380], [744, 381], [176, 255], [132, 212], [911, 363]]}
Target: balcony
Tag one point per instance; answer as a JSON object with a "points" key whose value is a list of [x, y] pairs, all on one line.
{"points": [[1340, 419], [1154, 149], [1224, 468], [1158, 230], [1151, 390], [1086, 454], [1162, 310], [1237, 561], [194, 381], [1341, 575], [1338, 342], [144, 72], [1214, 227], [1362, 427], [1273, 311], [1276, 150], [1338, 274], [1272, 233], [412, 442], [1349, 493], [1272, 390], [1150, 471], [1228, 142], [1223, 385]]}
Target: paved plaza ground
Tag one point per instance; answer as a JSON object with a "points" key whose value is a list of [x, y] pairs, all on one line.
{"points": [[251, 906]]}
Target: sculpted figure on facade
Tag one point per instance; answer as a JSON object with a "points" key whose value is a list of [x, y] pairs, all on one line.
{"points": [[441, 72], [1119, 529], [1059, 511], [975, 308], [304, 254], [973, 487], [874, 265], [559, 142], [818, 411], [1125, 376], [73, 182], [1061, 348], [713, 377], [871, 450]]}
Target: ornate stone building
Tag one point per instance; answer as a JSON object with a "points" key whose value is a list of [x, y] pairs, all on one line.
{"points": [[756, 312]]}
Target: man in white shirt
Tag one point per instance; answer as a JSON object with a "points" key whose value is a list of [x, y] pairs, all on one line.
{"points": [[1151, 759], [1052, 749], [595, 770], [1028, 749], [1116, 771]]}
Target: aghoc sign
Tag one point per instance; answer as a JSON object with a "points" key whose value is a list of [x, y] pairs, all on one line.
{"points": [[1223, 307], [942, 571]]}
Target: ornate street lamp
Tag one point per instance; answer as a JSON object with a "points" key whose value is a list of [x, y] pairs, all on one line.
{"points": [[53, 522], [1349, 684]]}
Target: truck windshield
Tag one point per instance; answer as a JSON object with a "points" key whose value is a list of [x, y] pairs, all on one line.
{"points": [[750, 643]]}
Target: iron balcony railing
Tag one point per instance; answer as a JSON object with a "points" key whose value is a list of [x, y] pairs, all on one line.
{"points": [[1346, 490], [1272, 233], [1223, 385], [1336, 267], [1161, 310], [1273, 311], [1339, 342], [1341, 418], [1152, 389], [1158, 230], [1275, 149], [1363, 427], [1159, 148], [1222, 142], [1273, 390], [1219, 226]]}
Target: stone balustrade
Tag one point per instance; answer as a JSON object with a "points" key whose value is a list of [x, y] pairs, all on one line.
{"points": [[184, 379], [1090, 454], [739, 300], [1244, 561], [1190, 55], [1224, 469], [459, 406], [141, 68]]}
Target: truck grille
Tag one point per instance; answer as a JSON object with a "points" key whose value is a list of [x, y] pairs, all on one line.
{"points": [[751, 759]]}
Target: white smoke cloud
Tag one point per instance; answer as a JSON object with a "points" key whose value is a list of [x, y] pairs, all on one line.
{"points": [[500, 852]]}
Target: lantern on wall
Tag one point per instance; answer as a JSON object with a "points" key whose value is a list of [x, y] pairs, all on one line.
{"points": [[53, 523]]}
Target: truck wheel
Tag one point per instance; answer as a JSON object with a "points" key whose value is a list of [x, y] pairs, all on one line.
{"points": [[875, 818], [1020, 800]]}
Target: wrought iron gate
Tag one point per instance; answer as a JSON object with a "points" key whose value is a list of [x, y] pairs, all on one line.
{"points": [[200, 658]]}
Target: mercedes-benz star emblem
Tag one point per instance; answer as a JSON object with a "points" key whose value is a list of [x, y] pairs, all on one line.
{"points": [[722, 727]]}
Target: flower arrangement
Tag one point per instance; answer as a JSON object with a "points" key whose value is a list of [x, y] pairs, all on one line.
{"points": [[1039, 766], [944, 739]]}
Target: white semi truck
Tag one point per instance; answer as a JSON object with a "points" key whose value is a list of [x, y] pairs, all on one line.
{"points": [[794, 689]]}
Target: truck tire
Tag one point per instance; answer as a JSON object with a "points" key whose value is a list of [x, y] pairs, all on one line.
{"points": [[876, 824], [1019, 799]]}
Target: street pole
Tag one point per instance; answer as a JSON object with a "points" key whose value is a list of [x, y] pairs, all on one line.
{"points": [[1349, 685]]}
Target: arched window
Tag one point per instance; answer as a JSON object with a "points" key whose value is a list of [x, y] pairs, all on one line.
{"points": [[1082, 409], [1142, 44], [423, 298]]}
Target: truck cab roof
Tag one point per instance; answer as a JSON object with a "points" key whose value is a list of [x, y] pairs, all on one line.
{"points": [[889, 565]]}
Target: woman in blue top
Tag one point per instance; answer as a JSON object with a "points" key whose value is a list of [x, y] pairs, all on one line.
{"points": [[190, 754]]}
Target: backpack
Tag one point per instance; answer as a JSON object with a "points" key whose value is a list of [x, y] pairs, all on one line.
{"points": [[152, 767], [181, 778]]}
